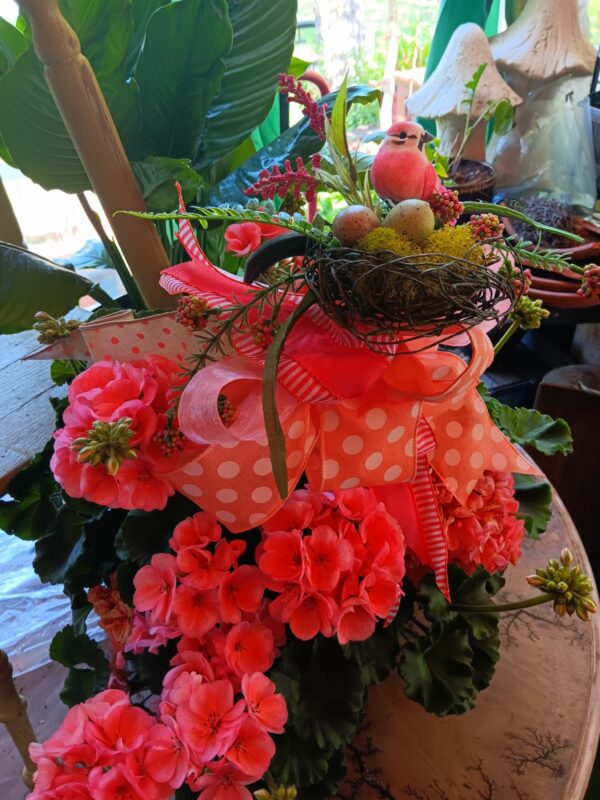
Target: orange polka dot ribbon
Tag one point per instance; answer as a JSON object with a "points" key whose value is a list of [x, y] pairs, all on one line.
{"points": [[350, 417]]}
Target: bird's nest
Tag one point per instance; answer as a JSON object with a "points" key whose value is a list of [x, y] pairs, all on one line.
{"points": [[382, 296]]}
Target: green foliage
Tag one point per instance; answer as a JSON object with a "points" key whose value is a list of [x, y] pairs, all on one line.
{"points": [[445, 668], [63, 371], [72, 650], [179, 72], [156, 177], [35, 497], [535, 503], [262, 48], [324, 692], [144, 533], [530, 428], [31, 283], [298, 141]]}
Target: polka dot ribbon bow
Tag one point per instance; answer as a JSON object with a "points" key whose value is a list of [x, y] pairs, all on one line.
{"points": [[350, 417]]}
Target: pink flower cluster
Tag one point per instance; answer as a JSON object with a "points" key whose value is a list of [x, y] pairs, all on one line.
{"points": [[216, 696], [486, 530], [296, 93], [336, 562], [279, 184], [107, 451], [108, 749]]}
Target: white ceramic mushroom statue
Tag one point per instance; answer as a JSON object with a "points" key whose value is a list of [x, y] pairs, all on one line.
{"points": [[544, 43], [442, 96], [546, 58]]}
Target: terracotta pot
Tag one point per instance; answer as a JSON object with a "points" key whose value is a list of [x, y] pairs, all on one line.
{"points": [[473, 180], [576, 252]]}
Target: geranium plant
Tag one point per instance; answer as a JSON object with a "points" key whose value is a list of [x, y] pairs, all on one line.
{"points": [[287, 489]]}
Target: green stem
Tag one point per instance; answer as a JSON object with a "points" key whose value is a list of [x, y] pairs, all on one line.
{"points": [[477, 207], [272, 422], [537, 600], [512, 329]]}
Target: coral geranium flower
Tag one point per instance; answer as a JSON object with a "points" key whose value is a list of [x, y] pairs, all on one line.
{"points": [[225, 781], [241, 590], [167, 756], [282, 556], [197, 609], [210, 721], [266, 707], [328, 555], [249, 647], [118, 783], [155, 586], [356, 503], [199, 529], [252, 749], [315, 614], [356, 621]]}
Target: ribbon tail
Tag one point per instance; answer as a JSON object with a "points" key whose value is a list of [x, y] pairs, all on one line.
{"points": [[431, 524], [185, 233]]}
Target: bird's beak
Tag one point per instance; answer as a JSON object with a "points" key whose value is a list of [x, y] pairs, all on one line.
{"points": [[426, 137]]}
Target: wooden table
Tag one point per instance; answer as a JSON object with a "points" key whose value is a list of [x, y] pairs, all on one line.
{"points": [[26, 416], [534, 731]]}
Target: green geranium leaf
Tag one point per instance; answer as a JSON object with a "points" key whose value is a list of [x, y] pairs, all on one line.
{"points": [[144, 533], [97, 558], [56, 552], [535, 503], [32, 511], [471, 590], [31, 283], [126, 572], [298, 141], [179, 72], [438, 670], [263, 41], [80, 611], [71, 650], [324, 691], [156, 177], [530, 428], [297, 762], [62, 372]]}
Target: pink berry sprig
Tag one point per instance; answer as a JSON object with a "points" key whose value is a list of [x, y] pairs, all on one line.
{"points": [[296, 93], [192, 312], [277, 183], [226, 410], [485, 226], [446, 206], [590, 282], [169, 440], [521, 283], [263, 332]]}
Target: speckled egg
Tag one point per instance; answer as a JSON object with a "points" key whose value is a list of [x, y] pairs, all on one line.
{"points": [[354, 222], [412, 218]]}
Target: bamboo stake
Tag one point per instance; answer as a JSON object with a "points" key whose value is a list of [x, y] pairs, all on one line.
{"points": [[91, 127], [13, 714], [10, 230]]}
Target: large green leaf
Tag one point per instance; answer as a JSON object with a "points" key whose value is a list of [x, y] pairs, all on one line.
{"points": [[299, 140], [156, 177], [31, 283], [144, 533], [141, 11], [72, 650], [263, 41], [12, 44], [30, 122], [179, 72], [535, 503]]}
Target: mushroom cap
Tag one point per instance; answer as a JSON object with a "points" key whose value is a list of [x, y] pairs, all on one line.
{"points": [[444, 92], [544, 42]]}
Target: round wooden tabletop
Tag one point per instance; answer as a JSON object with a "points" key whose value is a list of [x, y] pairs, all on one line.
{"points": [[534, 731]]}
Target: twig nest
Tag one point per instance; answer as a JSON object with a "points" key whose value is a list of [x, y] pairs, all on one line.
{"points": [[354, 222], [411, 218]]}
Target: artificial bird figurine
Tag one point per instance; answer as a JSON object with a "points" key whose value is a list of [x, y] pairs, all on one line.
{"points": [[401, 170]]}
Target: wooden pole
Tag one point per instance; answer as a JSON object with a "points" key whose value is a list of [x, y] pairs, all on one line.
{"points": [[87, 118], [13, 714], [10, 230]]}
